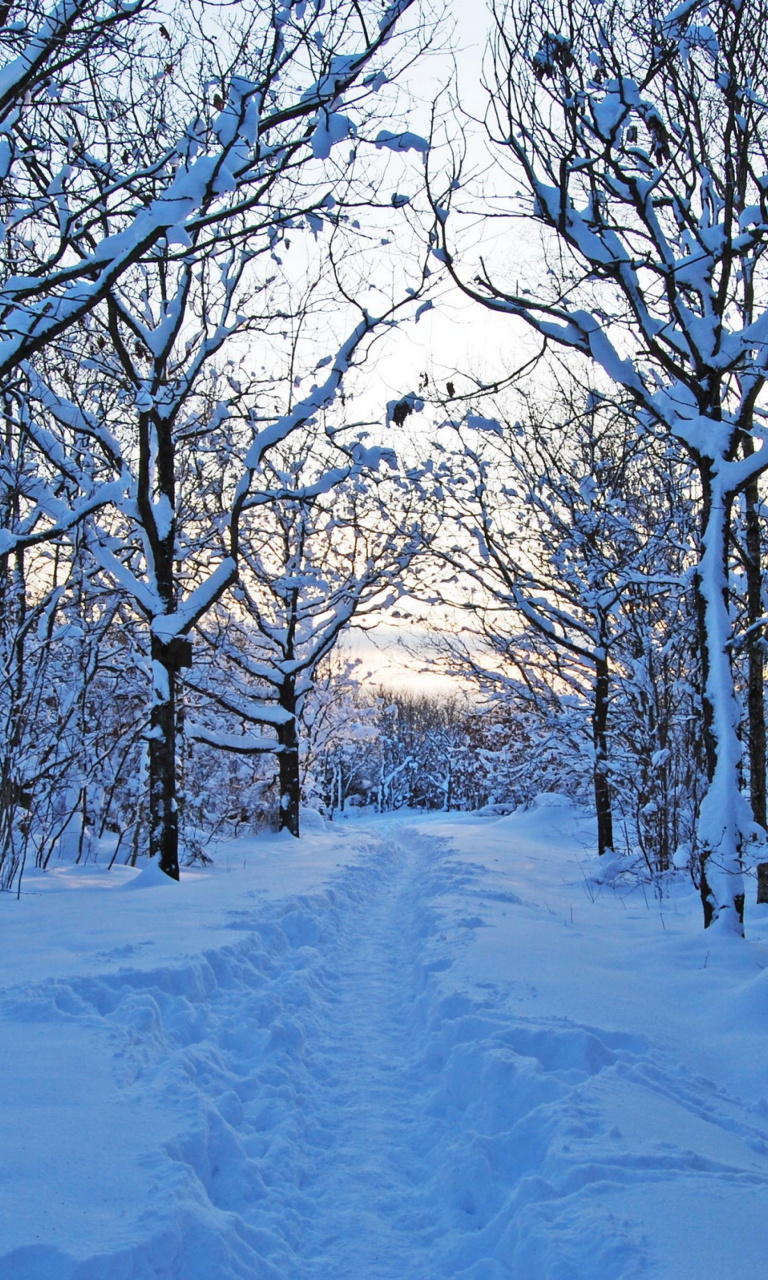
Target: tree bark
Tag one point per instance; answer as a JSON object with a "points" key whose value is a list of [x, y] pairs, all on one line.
{"points": [[290, 780], [163, 809], [756, 665], [755, 647], [14, 601], [157, 467], [602, 784]]}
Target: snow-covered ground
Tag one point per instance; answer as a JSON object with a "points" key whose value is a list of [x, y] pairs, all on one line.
{"points": [[399, 1049]]}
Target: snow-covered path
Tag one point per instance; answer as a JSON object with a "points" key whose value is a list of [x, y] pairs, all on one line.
{"points": [[367, 1189], [438, 1058]]}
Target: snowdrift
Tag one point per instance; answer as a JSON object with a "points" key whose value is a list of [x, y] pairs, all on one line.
{"points": [[400, 1049]]}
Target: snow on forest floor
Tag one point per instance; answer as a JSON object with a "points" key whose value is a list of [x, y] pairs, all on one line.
{"points": [[401, 1048]]}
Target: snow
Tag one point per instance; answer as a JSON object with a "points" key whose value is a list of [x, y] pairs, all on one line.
{"points": [[401, 141], [332, 127], [400, 1048], [244, 743], [478, 423]]}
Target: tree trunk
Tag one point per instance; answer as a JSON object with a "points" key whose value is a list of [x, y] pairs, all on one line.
{"points": [[163, 811], [14, 799], [756, 664], [722, 819], [290, 780], [756, 657], [600, 771]]}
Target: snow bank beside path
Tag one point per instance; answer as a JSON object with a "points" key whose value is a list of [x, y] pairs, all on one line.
{"points": [[119, 1011], [609, 1056], [80, 919], [404, 1049]]}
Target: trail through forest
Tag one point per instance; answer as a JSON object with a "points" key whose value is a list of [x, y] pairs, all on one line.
{"points": [[369, 1216], [453, 1051]]}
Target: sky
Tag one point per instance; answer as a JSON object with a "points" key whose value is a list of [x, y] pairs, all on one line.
{"points": [[457, 336]]}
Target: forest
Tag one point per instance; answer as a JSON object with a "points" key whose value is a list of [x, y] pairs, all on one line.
{"points": [[383, 631], [215, 221]]}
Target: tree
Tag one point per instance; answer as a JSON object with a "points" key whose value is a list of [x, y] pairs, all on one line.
{"points": [[571, 529], [392, 748], [70, 707], [320, 547], [159, 212], [640, 139], [340, 733], [119, 134], [748, 549]]}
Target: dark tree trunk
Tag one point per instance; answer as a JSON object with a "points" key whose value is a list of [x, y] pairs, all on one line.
{"points": [[755, 647], [756, 665], [163, 811], [290, 780], [600, 741], [158, 481], [708, 737], [13, 796]]}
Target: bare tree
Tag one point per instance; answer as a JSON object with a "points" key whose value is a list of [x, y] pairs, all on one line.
{"points": [[161, 210], [325, 542], [558, 526], [121, 133], [641, 142]]}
